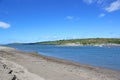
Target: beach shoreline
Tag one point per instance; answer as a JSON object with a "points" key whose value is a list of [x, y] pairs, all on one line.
{"points": [[42, 67]]}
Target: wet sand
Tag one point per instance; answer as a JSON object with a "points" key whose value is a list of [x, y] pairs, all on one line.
{"points": [[19, 65]]}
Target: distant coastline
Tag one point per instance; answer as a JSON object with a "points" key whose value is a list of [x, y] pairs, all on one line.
{"points": [[84, 42], [80, 42]]}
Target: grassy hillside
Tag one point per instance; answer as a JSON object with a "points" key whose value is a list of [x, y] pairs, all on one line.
{"points": [[89, 41]]}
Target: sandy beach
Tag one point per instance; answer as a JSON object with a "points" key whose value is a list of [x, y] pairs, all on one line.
{"points": [[19, 65]]}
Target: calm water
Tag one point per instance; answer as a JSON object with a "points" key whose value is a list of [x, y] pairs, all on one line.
{"points": [[108, 57]]}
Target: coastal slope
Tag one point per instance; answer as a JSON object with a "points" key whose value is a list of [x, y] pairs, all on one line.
{"points": [[85, 42], [19, 65]]}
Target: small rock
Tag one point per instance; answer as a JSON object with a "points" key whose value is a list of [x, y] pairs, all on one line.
{"points": [[4, 66], [10, 72], [14, 78]]}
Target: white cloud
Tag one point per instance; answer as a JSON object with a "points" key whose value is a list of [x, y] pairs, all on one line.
{"points": [[102, 15], [70, 17], [113, 6], [4, 25], [106, 5]]}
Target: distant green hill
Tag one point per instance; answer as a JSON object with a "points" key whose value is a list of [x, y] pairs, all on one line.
{"points": [[89, 41]]}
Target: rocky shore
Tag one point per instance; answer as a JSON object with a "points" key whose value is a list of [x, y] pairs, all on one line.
{"points": [[99, 45], [18, 65]]}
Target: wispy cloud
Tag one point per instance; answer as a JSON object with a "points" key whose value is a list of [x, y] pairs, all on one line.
{"points": [[106, 5], [114, 6], [70, 17], [4, 25], [102, 15], [88, 1], [101, 1], [94, 1]]}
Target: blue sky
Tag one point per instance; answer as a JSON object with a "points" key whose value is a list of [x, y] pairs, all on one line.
{"points": [[44, 20]]}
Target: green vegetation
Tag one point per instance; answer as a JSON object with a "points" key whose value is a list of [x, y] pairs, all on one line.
{"points": [[89, 41]]}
